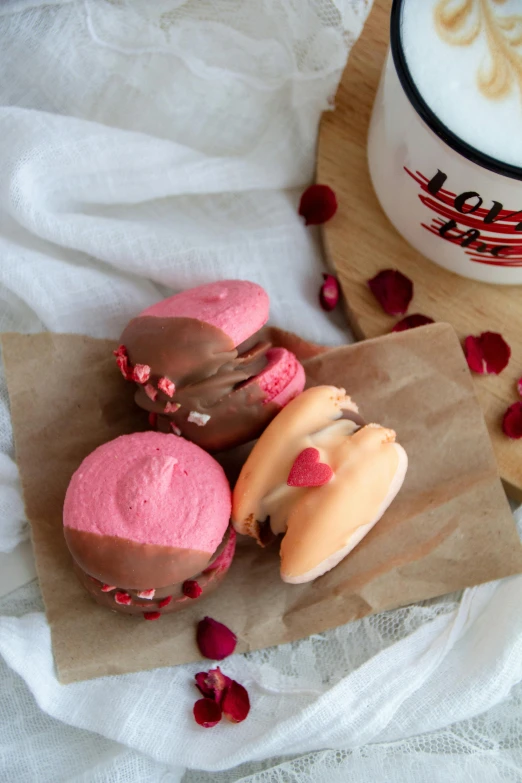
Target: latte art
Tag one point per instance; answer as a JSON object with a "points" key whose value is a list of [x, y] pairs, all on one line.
{"points": [[465, 58], [460, 23]]}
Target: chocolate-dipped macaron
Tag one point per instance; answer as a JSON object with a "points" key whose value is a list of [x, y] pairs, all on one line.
{"points": [[146, 520], [320, 477], [203, 370]]}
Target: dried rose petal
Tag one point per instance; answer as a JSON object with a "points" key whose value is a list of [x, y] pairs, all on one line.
{"points": [[165, 601], [108, 588], [151, 615], [473, 352], [329, 293], [153, 420], [217, 682], [201, 685], [207, 713], [191, 588], [122, 598], [213, 683], [318, 204], [412, 321], [393, 291], [236, 704], [488, 353], [141, 373], [171, 407], [149, 594], [215, 640], [166, 386], [512, 421]]}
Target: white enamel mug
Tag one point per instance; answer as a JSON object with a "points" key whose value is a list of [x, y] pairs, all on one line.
{"points": [[457, 206]]}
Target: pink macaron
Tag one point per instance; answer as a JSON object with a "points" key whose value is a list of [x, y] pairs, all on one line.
{"points": [[146, 519], [203, 368]]}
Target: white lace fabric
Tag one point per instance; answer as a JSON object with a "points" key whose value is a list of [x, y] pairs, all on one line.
{"points": [[148, 147]]}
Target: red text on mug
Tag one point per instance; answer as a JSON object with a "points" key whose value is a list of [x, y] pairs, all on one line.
{"points": [[488, 234]]}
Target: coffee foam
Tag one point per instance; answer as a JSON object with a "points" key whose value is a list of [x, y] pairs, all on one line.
{"points": [[463, 59]]}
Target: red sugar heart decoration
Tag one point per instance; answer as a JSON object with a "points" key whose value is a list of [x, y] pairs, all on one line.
{"points": [[307, 471]]}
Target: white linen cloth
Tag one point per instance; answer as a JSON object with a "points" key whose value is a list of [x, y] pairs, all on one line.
{"points": [[147, 146]]}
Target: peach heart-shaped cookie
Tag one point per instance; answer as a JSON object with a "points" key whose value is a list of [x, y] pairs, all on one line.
{"points": [[307, 471]]}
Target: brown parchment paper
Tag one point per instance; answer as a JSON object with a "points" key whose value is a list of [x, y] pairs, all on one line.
{"points": [[449, 528]]}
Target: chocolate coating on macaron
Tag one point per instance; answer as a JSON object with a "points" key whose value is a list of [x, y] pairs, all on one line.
{"points": [[167, 599], [130, 564], [204, 368], [210, 377], [135, 566], [185, 350]]}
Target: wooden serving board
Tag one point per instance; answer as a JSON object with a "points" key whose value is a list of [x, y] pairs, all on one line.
{"points": [[360, 241]]}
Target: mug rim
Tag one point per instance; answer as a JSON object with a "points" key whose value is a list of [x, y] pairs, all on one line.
{"points": [[428, 116]]}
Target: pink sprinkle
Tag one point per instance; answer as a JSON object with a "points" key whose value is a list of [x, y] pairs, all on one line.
{"points": [[172, 407], [166, 386], [151, 615], [519, 386], [149, 594], [175, 430], [108, 588], [120, 351], [151, 392], [123, 598], [165, 601], [141, 373], [125, 367], [191, 588]]}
